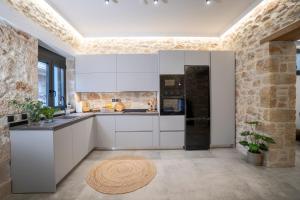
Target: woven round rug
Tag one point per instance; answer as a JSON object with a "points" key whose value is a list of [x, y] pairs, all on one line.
{"points": [[122, 174]]}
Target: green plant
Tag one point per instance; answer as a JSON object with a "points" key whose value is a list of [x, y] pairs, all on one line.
{"points": [[255, 142], [29, 106], [48, 112]]}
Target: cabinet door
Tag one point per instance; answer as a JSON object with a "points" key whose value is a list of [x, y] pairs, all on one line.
{"points": [[172, 139], [95, 63], [197, 58], [172, 123], [105, 132], [82, 139], [63, 152], [134, 123], [171, 62], [147, 63], [96, 82], [137, 82], [222, 99], [133, 140]]}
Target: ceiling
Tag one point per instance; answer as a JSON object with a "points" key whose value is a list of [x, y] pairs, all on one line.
{"points": [[134, 18]]}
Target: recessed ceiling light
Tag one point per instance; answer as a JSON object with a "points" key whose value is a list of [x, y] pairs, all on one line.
{"points": [[208, 2], [155, 2], [106, 2]]}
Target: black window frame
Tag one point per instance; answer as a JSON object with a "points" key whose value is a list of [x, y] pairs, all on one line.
{"points": [[53, 59]]}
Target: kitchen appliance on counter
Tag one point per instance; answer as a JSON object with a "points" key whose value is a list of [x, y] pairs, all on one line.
{"points": [[197, 98], [172, 100]]}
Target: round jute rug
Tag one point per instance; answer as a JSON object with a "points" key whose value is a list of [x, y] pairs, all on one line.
{"points": [[121, 174]]}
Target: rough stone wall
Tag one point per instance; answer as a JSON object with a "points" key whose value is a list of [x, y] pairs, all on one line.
{"points": [[265, 76], [146, 45], [18, 79]]}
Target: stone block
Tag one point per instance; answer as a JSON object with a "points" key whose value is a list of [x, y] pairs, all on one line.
{"points": [[279, 115]]}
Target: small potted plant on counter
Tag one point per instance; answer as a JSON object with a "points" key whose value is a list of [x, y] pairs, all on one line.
{"points": [[256, 143], [48, 113], [31, 107]]}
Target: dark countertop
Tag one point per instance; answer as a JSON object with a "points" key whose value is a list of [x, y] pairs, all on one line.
{"points": [[61, 122]]}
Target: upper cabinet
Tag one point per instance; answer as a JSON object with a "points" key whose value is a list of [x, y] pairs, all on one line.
{"points": [[171, 62], [197, 58], [137, 63], [96, 63], [137, 82]]}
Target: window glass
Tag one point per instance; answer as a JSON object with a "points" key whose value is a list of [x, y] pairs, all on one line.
{"points": [[43, 82], [298, 60], [59, 86]]}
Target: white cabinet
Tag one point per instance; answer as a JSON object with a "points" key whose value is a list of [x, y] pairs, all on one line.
{"points": [[171, 62], [96, 82], [197, 58], [172, 131], [172, 139], [134, 123], [172, 123], [105, 132], [83, 139], [222, 98], [137, 81], [145, 63], [134, 140], [63, 152], [95, 63], [136, 132]]}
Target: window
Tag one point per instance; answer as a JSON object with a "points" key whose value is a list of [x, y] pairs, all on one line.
{"points": [[51, 78], [298, 61]]}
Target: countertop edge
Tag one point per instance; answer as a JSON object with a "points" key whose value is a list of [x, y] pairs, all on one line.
{"points": [[76, 120]]}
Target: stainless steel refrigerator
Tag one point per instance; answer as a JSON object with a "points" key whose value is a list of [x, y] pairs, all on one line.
{"points": [[197, 112]]}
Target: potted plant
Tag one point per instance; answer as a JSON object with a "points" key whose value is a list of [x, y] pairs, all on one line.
{"points": [[256, 143], [31, 107], [48, 113]]}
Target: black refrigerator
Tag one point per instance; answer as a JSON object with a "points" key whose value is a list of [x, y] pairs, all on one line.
{"points": [[197, 112]]}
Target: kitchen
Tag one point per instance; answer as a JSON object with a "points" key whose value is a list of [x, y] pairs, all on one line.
{"points": [[164, 108]]}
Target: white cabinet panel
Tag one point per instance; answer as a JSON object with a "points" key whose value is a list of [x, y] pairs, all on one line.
{"points": [[63, 152], [172, 139], [222, 98], [170, 123], [137, 82], [197, 58], [155, 131], [171, 62], [134, 123], [134, 140], [83, 139], [147, 63], [96, 63], [96, 82], [105, 132]]}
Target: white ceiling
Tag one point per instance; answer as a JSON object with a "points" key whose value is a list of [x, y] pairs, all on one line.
{"points": [[92, 18]]}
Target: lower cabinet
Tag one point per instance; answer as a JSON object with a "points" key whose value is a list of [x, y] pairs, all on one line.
{"points": [[134, 140], [83, 139], [105, 132], [172, 132], [63, 152], [172, 139]]}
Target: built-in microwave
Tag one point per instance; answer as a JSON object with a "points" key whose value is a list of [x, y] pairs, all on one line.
{"points": [[172, 101]]}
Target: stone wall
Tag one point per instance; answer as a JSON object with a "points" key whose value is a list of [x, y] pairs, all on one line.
{"points": [[18, 79], [265, 76]]}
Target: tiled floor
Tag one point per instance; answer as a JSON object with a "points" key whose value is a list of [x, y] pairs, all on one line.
{"points": [[216, 174]]}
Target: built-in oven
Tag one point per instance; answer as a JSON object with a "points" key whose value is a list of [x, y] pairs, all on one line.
{"points": [[172, 101]]}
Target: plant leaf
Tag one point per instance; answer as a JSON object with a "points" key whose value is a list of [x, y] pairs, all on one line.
{"points": [[244, 143]]}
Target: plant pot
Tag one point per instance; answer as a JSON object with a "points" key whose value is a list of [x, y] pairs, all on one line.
{"points": [[255, 158]]}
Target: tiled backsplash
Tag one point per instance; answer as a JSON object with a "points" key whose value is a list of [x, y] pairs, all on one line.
{"points": [[131, 100]]}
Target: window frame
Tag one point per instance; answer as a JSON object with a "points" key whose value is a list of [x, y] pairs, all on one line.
{"points": [[297, 71], [53, 59]]}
